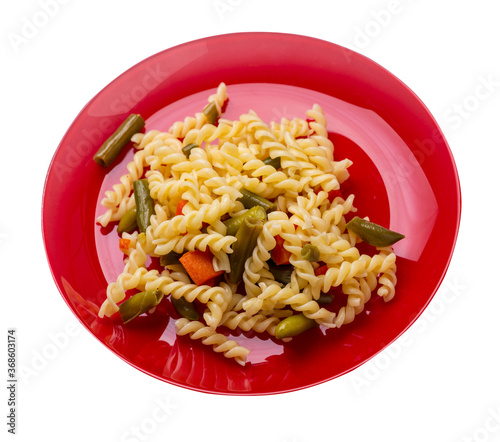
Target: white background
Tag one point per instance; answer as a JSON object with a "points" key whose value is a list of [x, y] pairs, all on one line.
{"points": [[439, 382]]}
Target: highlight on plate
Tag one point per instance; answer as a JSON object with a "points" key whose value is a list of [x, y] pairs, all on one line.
{"points": [[247, 222]]}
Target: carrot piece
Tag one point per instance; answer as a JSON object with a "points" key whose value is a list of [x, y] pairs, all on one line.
{"points": [[321, 270], [199, 266], [124, 244], [279, 254], [180, 206], [214, 281]]}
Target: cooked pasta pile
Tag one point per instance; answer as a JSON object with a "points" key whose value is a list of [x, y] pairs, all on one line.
{"points": [[209, 181]]}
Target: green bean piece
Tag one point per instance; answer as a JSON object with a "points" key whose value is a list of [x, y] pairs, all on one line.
{"points": [[171, 258], [144, 203], [294, 325], [372, 233], [112, 147], [185, 308], [282, 273], [128, 223], [246, 240], [310, 253], [324, 298], [188, 148], [250, 199], [211, 112], [275, 162], [233, 224], [139, 303]]}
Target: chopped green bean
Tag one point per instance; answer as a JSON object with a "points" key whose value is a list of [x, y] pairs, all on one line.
{"points": [[282, 273], [139, 303], [310, 253], [128, 223], [233, 224], [211, 112], [188, 148], [112, 147], [250, 199], [372, 233], [171, 258], [275, 162], [246, 240], [185, 308], [144, 203], [294, 325]]}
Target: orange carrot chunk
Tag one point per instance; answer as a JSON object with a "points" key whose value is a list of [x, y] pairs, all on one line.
{"points": [[199, 266], [124, 244], [279, 254], [321, 270], [180, 206]]}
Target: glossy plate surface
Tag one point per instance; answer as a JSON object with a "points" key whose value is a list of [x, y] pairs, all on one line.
{"points": [[403, 176]]}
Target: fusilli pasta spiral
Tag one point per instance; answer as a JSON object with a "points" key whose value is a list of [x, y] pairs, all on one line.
{"points": [[198, 192]]}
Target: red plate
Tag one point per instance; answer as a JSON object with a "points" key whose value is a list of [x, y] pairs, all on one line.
{"points": [[403, 176]]}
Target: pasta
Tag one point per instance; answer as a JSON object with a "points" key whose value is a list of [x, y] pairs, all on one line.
{"points": [[209, 336], [198, 174]]}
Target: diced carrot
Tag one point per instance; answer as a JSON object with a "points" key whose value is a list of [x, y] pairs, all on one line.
{"points": [[180, 206], [124, 244], [279, 254], [321, 270], [214, 281], [199, 266]]}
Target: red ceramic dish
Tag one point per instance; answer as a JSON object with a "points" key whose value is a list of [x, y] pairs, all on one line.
{"points": [[403, 177]]}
